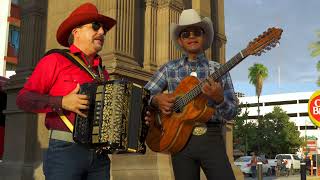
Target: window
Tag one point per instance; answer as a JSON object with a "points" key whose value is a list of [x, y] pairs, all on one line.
{"points": [[303, 101], [252, 117], [280, 103], [292, 114], [286, 157], [15, 2], [251, 105], [303, 114], [13, 39], [296, 157], [308, 128]]}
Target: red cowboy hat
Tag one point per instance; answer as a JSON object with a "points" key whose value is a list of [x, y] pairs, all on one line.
{"points": [[84, 14]]}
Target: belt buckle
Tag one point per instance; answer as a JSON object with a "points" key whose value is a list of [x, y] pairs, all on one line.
{"points": [[199, 130]]}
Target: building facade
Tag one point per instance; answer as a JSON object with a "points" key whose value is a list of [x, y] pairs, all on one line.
{"points": [[9, 36], [135, 48]]}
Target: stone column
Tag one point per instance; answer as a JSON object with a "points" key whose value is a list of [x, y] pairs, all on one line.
{"points": [[204, 9], [228, 137], [150, 35], [123, 54], [24, 133], [220, 40], [168, 12]]}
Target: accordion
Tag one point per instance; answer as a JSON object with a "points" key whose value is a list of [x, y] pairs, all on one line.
{"points": [[115, 118]]}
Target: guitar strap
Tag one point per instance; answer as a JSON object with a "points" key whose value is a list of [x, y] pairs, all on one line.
{"points": [[77, 61]]}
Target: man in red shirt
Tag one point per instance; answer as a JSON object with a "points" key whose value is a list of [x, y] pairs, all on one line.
{"points": [[53, 86]]}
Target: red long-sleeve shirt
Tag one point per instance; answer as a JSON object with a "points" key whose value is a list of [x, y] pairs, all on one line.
{"points": [[54, 77]]}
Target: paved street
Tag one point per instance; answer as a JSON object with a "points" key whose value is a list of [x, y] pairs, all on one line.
{"points": [[292, 177]]}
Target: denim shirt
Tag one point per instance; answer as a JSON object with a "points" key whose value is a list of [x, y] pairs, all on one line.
{"points": [[169, 76]]}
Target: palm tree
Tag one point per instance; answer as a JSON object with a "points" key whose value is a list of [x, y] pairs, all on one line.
{"points": [[257, 74], [315, 51]]}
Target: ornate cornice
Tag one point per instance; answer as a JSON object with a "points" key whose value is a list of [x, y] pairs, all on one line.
{"points": [[174, 4], [152, 3]]}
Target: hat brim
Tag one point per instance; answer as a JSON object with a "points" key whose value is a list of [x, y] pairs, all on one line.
{"points": [[71, 22], [205, 24]]}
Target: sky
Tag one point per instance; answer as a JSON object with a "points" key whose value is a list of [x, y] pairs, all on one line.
{"points": [[291, 67]]}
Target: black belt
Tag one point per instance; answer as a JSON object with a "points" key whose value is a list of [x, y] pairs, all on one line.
{"points": [[213, 124]]}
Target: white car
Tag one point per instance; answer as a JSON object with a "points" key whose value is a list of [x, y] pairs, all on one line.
{"points": [[293, 161], [243, 163]]}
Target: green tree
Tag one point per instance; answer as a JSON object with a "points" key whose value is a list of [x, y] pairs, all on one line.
{"points": [[279, 134], [276, 134], [244, 132], [315, 51], [257, 74]]}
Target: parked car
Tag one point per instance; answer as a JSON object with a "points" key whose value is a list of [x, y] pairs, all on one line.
{"points": [[273, 165], [243, 163], [293, 161]]}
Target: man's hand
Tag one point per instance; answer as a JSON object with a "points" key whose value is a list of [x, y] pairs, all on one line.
{"points": [[147, 118], [164, 102], [75, 102], [213, 90]]}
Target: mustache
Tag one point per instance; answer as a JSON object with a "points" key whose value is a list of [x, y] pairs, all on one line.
{"points": [[100, 37]]}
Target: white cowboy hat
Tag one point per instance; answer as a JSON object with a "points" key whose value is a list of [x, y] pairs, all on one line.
{"points": [[190, 17]]}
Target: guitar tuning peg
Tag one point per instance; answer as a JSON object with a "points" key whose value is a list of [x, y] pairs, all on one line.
{"points": [[268, 48]]}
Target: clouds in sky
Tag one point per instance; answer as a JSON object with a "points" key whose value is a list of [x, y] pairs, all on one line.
{"points": [[246, 19]]}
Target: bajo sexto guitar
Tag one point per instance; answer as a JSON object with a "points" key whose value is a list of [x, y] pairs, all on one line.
{"points": [[170, 133]]}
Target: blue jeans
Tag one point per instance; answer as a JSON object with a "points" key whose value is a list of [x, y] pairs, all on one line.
{"points": [[70, 161], [254, 171]]}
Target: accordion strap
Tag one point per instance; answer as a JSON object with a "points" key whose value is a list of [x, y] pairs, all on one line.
{"points": [[76, 60], [65, 120], [80, 62]]}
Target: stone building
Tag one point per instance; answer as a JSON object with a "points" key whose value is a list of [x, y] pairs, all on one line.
{"points": [[137, 46]]}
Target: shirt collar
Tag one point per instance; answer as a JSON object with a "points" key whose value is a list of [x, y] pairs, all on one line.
{"points": [[75, 50], [200, 58]]}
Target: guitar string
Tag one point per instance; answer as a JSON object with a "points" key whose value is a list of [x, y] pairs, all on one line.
{"points": [[182, 101]]}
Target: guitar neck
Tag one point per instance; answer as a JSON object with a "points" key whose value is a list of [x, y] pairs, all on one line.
{"points": [[185, 99]]}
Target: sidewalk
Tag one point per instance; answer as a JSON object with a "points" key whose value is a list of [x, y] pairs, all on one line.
{"points": [[291, 177], [313, 177]]}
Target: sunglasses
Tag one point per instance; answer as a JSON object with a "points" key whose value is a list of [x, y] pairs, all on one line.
{"points": [[196, 32], [96, 26]]}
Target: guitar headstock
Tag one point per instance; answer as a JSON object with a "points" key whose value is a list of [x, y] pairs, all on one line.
{"points": [[263, 42]]}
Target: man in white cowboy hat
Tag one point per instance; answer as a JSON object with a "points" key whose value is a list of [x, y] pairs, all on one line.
{"points": [[205, 147], [53, 86]]}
